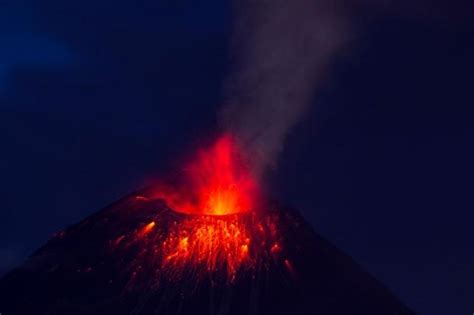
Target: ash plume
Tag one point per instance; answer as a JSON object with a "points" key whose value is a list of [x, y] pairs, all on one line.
{"points": [[282, 53], [282, 50]]}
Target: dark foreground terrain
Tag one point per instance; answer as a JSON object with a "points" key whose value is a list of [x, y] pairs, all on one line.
{"points": [[80, 271]]}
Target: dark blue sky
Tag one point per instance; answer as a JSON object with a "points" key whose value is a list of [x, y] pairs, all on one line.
{"points": [[98, 97]]}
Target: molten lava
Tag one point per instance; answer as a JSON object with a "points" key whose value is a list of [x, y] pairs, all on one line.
{"points": [[214, 227], [178, 246], [217, 182], [209, 244]]}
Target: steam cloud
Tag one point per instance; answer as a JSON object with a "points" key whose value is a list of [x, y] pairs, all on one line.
{"points": [[282, 51]]}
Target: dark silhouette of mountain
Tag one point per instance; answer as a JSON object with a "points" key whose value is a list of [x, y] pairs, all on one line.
{"points": [[110, 263]]}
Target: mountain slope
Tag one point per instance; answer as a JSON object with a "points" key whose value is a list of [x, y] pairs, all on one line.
{"points": [[138, 256]]}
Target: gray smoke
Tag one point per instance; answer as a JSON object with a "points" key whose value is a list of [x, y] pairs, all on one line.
{"points": [[282, 51]]}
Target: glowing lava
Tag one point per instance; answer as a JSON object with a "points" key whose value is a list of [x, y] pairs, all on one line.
{"points": [[208, 244], [217, 182], [183, 246], [212, 226]]}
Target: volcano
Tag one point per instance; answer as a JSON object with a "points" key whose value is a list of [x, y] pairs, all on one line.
{"points": [[112, 263], [206, 246]]}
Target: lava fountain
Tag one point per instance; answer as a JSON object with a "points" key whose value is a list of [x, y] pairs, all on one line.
{"points": [[217, 228], [218, 181]]}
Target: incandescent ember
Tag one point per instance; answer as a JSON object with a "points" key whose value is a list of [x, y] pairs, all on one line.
{"points": [[218, 228], [202, 247]]}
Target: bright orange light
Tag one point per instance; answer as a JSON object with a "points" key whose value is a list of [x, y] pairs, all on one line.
{"points": [[205, 245], [217, 182], [147, 229], [218, 229], [208, 243]]}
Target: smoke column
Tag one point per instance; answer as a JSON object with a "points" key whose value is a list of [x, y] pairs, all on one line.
{"points": [[282, 50]]}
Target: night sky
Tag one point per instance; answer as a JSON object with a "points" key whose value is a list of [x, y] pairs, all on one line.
{"points": [[97, 98]]}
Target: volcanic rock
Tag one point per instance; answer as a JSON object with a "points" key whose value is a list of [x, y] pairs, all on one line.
{"points": [[138, 256]]}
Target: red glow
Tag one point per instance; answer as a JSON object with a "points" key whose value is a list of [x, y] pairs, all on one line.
{"points": [[204, 245], [217, 182], [209, 243], [147, 229], [219, 229]]}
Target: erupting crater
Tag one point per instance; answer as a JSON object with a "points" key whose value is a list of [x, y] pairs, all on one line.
{"points": [[217, 228], [217, 181], [205, 244]]}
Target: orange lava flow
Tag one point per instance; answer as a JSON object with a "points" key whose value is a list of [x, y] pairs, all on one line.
{"points": [[204, 246], [217, 182], [217, 229], [209, 244]]}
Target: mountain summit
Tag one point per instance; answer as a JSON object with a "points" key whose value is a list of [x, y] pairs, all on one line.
{"points": [[139, 256]]}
